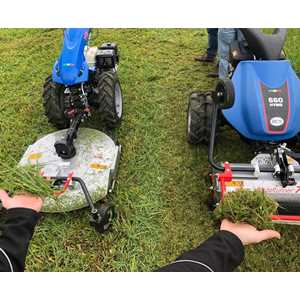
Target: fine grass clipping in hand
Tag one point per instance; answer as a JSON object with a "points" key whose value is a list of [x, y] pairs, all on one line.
{"points": [[252, 207], [24, 179]]}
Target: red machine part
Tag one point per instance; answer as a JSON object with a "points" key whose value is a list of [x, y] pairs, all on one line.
{"points": [[226, 176], [285, 218], [66, 185]]}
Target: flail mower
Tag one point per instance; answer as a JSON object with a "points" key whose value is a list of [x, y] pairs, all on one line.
{"points": [[82, 161], [261, 102]]}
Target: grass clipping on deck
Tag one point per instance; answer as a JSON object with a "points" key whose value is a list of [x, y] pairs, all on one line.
{"points": [[244, 206], [24, 179]]}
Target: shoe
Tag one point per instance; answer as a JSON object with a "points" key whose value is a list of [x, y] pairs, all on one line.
{"points": [[213, 75], [205, 58]]}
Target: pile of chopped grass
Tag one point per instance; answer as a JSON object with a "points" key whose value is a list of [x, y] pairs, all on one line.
{"points": [[25, 179], [252, 207]]}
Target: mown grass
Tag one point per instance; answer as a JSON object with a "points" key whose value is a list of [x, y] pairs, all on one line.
{"points": [[162, 190]]}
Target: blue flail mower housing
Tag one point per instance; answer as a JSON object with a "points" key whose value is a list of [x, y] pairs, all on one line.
{"points": [[267, 100]]}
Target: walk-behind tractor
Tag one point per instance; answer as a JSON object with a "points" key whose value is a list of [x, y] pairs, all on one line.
{"points": [[261, 101], [82, 161]]}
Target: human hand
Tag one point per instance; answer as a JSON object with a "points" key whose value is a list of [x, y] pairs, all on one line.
{"points": [[248, 234], [21, 201]]}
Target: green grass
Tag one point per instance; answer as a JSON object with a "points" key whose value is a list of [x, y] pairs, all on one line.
{"points": [[244, 206], [161, 191]]}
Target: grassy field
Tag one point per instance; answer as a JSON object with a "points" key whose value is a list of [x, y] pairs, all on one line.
{"points": [[161, 191]]}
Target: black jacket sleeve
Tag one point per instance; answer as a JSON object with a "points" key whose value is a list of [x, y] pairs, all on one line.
{"points": [[222, 252], [16, 234]]}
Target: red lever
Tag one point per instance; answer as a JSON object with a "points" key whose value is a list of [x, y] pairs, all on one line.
{"points": [[66, 185]]}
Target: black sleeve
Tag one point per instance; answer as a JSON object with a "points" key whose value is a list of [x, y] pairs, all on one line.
{"points": [[16, 234], [222, 252]]}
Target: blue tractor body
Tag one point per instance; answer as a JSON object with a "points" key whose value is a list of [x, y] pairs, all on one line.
{"points": [[267, 100], [83, 81], [71, 67]]}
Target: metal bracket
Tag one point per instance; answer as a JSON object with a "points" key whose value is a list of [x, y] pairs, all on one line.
{"points": [[98, 216], [256, 170], [114, 171], [65, 147]]}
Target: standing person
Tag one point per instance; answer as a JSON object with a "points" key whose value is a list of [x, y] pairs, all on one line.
{"points": [[212, 48], [225, 37], [22, 216]]}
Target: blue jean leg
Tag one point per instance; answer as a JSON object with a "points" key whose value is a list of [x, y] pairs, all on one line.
{"points": [[212, 48], [225, 37]]}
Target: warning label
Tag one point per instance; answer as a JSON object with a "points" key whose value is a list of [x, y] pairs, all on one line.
{"points": [[236, 184]]}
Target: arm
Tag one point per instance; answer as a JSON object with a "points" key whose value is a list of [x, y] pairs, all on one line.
{"points": [[22, 216], [14, 241], [224, 251]]}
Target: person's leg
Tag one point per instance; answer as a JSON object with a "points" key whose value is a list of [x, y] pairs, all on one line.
{"points": [[225, 37], [212, 42], [212, 47], [240, 36]]}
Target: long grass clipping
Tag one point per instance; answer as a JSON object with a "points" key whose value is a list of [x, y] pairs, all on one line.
{"points": [[245, 206], [25, 179]]}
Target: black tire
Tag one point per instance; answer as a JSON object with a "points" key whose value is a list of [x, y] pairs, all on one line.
{"points": [[53, 100], [109, 100], [107, 214], [199, 118], [225, 93]]}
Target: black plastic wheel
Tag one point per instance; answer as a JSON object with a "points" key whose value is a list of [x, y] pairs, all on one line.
{"points": [[224, 93], [53, 96], [106, 214], [109, 100], [199, 118]]}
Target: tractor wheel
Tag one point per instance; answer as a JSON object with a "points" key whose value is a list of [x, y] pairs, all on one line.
{"points": [[110, 100], [225, 93], [53, 97], [199, 118]]}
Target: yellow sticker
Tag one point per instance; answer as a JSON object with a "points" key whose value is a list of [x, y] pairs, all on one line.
{"points": [[237, 184], [98, 166], [35, 156]]}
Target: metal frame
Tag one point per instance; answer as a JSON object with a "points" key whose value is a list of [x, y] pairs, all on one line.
{"points": [[84, 190], [97, 218], [65, 148]]}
